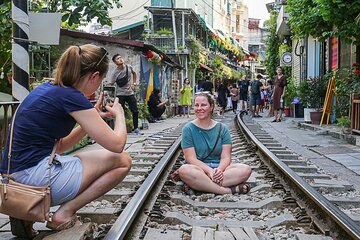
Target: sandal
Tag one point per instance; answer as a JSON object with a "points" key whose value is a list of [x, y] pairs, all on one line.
{"points": [[65, 225], [240, 188], [274, 120], [22, 228]]}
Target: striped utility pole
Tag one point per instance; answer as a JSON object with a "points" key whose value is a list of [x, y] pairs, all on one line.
{"points": [[20, 49]]}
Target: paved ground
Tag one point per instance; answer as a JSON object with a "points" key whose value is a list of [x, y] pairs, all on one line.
{"points": [[336, 156]]}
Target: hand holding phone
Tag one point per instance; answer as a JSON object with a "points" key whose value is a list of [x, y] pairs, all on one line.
{"points": [[108, 96]]}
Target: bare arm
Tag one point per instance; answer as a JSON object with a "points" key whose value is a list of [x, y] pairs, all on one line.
{"points": [[163, 103], [283, 93], [93, 124], [225, 158], [70, 140]]}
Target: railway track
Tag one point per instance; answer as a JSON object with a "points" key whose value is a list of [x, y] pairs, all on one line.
{"points": [[290, 198]]}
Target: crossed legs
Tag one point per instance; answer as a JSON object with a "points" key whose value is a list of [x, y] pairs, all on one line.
{"points": [[196, 178], [102, 170]]}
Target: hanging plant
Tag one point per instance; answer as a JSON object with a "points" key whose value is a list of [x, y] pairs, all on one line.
{"points": [[154, 57]]}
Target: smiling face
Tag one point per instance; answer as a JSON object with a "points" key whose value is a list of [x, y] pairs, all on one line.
{"points": [[279, 71], [203, 108]]}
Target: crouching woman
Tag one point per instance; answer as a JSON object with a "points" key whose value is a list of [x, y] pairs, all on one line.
{"points": [[48, 115], [207, 149]]}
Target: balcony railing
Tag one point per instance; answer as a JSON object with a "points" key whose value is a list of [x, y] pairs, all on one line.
{"points": [[166, 44], [7, 109]]}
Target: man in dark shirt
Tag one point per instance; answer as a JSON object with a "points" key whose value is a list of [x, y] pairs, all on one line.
{"points": [[207, 85], [256, 87], [244, 87]]}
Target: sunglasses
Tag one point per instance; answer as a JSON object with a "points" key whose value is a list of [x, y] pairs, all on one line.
{"points": [[101, 59]]}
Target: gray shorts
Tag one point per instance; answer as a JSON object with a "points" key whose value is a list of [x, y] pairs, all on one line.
{"points": [[65, 177]]}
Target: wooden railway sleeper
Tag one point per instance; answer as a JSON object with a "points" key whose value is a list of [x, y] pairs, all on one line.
{"points": [[270, 175]]}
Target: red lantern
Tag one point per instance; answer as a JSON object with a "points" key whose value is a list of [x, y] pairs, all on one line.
{"points": [[150, 54]]}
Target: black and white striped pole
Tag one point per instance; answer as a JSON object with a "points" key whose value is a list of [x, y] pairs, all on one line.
{"points": [[20, 49]]}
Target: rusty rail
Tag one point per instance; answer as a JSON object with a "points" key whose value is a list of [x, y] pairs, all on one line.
{"points": [[7, 109], [355, 113]]}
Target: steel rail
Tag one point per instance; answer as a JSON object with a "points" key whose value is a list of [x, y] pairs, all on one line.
{"points": [[344, 221], [126, 218]]}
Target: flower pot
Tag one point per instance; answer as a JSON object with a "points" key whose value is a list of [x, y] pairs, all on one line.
{"points": [[346, 130], [315, 117], [307, 111], [287, 112]]}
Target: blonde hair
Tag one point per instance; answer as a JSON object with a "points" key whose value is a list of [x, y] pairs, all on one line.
{"points": [[77, 61]]}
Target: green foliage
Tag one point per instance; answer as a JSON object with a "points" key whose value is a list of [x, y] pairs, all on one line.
{"points": [[78, 12], [143, 111], [347, 82], [344, 121], [5, 44], [324, 18], [312, 92], [195, 48], [291, 92], [165, 31], [284, 48], [272, 57]]}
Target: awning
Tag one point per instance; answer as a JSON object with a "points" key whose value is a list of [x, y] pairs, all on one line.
{"points": [[203, 66]]}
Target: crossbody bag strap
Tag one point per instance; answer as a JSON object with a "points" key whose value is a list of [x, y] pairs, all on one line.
{"points": [[52, 155], [217, 140]]}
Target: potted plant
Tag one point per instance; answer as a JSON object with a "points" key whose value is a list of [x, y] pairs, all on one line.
{"points": [[144, 115], [290, 94], [344, 122], [128, 119], [312, 93]]}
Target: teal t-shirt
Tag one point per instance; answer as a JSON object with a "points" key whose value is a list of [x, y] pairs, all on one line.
{"points": [[203, 140]]}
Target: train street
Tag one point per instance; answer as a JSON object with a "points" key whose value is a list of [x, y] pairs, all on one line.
{"points": [[180, 120]]}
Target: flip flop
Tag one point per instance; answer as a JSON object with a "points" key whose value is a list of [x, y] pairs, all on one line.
{"points": [[65, 225], [22, 228], [240, 188]]}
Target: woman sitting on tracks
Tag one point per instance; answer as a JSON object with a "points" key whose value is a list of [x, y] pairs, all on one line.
{"points": [[48, 115], [207, 149]]}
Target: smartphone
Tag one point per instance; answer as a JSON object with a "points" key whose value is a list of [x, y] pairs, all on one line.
{"points": [[109, 95]]}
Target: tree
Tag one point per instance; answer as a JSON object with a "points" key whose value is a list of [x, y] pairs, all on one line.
{"points": [[74, 13], [324, 18], [272, 58]]}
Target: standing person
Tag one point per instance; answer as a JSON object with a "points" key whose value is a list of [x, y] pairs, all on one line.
{"points": [[244, 88], [48, 116], [207, 85], [256, 86], [280, 83], [156, 106], [222, 92], [185, 96], [234, 93], [207, 149], [199, 86], [125, 78]]}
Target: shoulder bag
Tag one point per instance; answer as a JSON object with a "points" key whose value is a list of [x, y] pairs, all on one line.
{"points": [[217, 140], [31, 203], [124, 80]]}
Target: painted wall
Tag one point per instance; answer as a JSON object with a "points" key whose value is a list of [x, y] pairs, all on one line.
{"points": [[131, 12]]}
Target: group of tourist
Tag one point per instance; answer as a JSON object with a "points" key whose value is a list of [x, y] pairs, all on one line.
{"points": [[59, 113]]}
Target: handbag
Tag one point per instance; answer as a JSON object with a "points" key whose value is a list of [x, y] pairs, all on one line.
{"points": [[124, 80], [21, 201]]}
